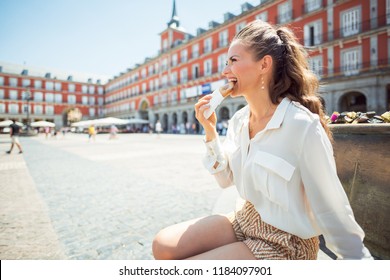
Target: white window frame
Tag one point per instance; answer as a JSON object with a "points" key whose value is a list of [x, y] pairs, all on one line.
{"points": [[195, 50], [84, 89], [351, 60], [58, 86], [263, 16], [13, 82], [58, 98], [49, 85], [316, 64], [13, 108], [84, 100], [92, 112], [350, 21], [71, 99], [208, 67], [183, 75], [38, 84], [1, 81], [13, 94], [49, 110], [174, 60], [38, 109], [317, 26], [184, 56], [312, 5], [38, 96], [196, 65], [240, 26], [173, 78], [71, 87], [1, 93], [26, 82], [222, 62], [208, 45], [49, 97], [2, 108], [284, 12], [223, 38]]}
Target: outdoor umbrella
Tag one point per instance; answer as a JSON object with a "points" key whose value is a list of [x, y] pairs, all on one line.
{"points": [[109, 121], [42, 124], [82, 123], [136, 121], [7, 123]]}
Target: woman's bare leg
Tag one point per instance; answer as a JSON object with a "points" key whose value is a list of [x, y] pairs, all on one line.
{"points": [[193, 237], [233, 251]]}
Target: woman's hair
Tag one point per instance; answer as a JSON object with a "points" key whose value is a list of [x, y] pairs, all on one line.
{"points": [[291, 75]]}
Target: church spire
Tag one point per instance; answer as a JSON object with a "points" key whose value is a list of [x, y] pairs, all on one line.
{"points": [[174, 22]]}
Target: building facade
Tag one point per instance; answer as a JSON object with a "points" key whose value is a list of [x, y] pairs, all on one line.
{"points": [[348, 42]]}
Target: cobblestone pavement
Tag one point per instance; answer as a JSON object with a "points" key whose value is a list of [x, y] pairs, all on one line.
{"points": [[68, 198]]}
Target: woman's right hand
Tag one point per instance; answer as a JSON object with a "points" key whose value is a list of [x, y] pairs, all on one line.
{"points": [[209, 124]]}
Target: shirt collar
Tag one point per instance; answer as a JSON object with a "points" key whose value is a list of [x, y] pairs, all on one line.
{"points": [[278, 116]]}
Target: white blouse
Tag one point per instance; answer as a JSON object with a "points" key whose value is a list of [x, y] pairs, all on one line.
{"points": [[288, 172]]}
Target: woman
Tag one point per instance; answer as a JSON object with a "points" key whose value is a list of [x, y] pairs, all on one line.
{"points": [[279, 155]]}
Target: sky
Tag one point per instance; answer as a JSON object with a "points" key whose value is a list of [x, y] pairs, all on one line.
{"points": [[103, 37]]}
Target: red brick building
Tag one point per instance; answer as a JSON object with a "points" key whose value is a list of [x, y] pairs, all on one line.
{"points": [[348, 42]]}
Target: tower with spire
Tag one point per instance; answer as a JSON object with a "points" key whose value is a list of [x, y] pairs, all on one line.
{"points": [[174, 33]]}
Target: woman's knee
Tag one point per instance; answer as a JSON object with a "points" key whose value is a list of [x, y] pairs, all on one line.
{"points": [[161, 247]]}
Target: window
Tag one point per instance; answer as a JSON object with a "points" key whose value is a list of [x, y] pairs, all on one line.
{"points": [[312, 5], [240, 26], [1, 93], [91, 89], [13, 82], [38, 84], [2, 108], [350, 22], [263, 16], [38, 96], [84, 89], [223, 38], [183, 75], [100, 90], [150, 70], [387, 11], [49, 97], [71, 87], [165, 44], [49, 110], [155, 99], [313, 33], [315, 65], [173, 97], [58, 98], [164, 81], [174, 59], [164, 65], [284, 12], [13, 94], [156, 65], [144, 87], [174, 78], [38, 109], [195, 51], [26, 82], [13, 108], [84, 100], [208, 64], [351, 60], [143, 73], [49, 85], [208, 45], [156, 83], [92, 112], [1, 81], [100, 101], [195, 71], [71, 99], [92, 100], [58, 86], [222, 62], [151, 85], [183, 56]]}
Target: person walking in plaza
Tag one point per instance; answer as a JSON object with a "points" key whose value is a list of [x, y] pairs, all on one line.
{"points": [[158, 128], [91, 133], [278, 153], [113, 132], [14, 134]]}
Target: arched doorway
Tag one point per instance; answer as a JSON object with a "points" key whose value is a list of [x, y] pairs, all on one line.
{"points": [[165, 122], [353, 101], [71, 115], [143, 110], [174, 123]]}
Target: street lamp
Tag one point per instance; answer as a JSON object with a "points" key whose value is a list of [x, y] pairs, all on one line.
{"points": [[27, 96]]}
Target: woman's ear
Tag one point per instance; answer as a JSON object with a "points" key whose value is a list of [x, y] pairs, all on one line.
{"points": [[266, 63]]}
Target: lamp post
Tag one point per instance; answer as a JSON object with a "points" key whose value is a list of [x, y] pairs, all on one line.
{"points": [[27, 96]]}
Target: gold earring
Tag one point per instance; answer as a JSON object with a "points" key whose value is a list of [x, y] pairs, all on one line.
{"points": [[262, 83]]}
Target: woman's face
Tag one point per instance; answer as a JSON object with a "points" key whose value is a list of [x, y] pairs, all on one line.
{"points": [[242, 68]]}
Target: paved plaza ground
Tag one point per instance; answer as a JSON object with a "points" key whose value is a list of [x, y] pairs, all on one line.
{"points": [[67, 198]]}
